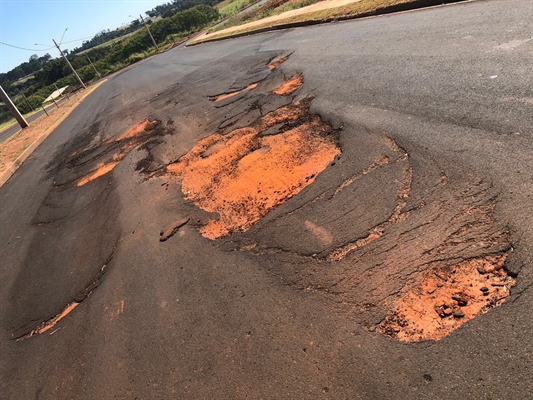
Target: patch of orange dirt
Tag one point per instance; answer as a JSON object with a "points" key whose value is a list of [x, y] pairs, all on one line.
{"points": [[138, 129], [225, 96], [46, 326], [290, 85], [101, 170], [242, 176], [277, 62], [446, 298], [285, 114], [126, 143]]}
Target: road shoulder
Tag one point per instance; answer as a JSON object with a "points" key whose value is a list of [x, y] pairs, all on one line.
{"points": [[42, 131]]}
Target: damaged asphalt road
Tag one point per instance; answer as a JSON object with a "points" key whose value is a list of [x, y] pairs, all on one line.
{"points": [[299, 214]]}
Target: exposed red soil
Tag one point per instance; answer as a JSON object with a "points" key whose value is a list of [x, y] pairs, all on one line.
{"points": [[128, 141], [46, 326], [225, 96], [138, 129], [242, 176], [276, 62], [101, 170], [290, 85], [445, 298]]}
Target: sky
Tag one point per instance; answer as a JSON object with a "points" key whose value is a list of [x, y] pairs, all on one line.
{"points": [[25, 23]]}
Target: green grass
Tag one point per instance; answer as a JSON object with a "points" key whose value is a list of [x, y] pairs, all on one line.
{"points": [[12, 121], [110, 42], [25, 79], [265, 10], [353, 10], [233, 7], [7, 124], [295, 6]]}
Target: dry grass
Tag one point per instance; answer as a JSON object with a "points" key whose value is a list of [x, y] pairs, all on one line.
{"points": [[353, 10], [13, 147]]}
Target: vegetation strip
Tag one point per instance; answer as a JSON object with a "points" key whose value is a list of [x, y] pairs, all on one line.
{"points": [[361, 9]]}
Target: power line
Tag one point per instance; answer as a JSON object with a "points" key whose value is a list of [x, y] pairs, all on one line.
{"points": [[61, 40], [23, 48], [77, 40], [49, 48]]}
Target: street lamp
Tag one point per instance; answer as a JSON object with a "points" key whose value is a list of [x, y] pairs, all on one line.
{"points": [[68, 62], [148, 29]]}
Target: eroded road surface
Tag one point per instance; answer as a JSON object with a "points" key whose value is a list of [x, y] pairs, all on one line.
{"points": [[280, 217]]}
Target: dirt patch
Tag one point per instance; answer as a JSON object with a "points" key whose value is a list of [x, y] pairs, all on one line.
{"points": [[290, 85], [446, 298], [225, 96], [100, 171], [138, 129], [47, 325], [242, 176], [118, 149], [276, 62]]}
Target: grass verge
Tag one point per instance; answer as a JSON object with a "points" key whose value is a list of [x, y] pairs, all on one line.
{"points": [[231, 7], [359, 9]]}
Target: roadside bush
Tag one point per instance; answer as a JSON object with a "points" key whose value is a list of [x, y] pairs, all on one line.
{"points": [[135, 57]]}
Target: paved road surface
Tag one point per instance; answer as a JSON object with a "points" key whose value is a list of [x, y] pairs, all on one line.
{"points": [[441, 98]]}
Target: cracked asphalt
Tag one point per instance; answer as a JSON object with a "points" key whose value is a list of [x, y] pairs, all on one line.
{"points": [[431, 111]]}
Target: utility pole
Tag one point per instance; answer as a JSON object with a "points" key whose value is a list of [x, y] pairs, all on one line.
{"points": [[27, 102], [59, 94], [73, 70], [44, 109], [150, 33], [95, 70], [14, 111]]}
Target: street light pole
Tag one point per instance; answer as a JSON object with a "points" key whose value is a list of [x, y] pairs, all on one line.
{"points": [[95, 70], [27, 102], [150, 33], [14, 111], [73, 70]]}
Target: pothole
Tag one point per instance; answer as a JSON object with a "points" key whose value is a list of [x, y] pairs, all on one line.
{"points": [[445, 298], [122, 146], [225, 96], [139, 129], [276, 62], [242, 175], [290, 85]]}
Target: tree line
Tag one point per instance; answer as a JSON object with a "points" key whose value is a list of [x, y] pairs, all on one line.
{"points": [[106, 59]]}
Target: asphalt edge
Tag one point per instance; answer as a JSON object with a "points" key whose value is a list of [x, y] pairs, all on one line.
{"points": [[8, 173], [415, 5]]}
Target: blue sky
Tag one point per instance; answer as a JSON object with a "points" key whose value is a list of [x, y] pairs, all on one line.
{"points": [[24, 23]]}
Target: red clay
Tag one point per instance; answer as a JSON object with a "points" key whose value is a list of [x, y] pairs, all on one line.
{"points": [[225, 96], [242, 176], [46, 326], [128, 141], [138, 129], [290, 85], [445, 298], [277, 62], [101, 170]]}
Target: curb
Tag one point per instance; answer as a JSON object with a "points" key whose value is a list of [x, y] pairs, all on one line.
{"points": [[4, 176], [378, 11]]}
